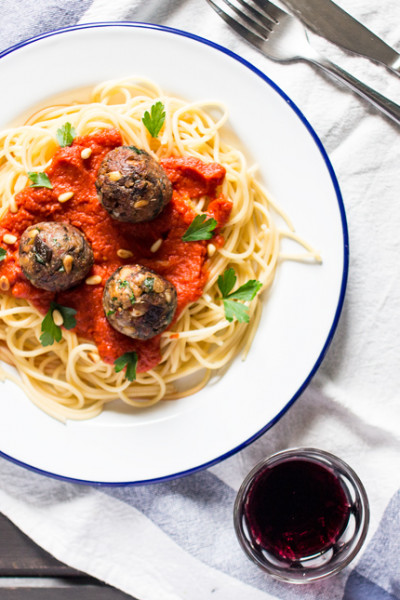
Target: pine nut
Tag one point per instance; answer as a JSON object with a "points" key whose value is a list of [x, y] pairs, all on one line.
{"points": [[86, 153], [136, 312], [141, 203], [124, 253], [32, 234], [13, 208], [4, 283], [57, 318], [114, 175], [65, 196], [9, 239], [68, 261], [93, 280], [211, 250], [156, 245]]}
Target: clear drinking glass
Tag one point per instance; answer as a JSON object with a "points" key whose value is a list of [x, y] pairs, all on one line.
{"points": [[301, 515]]}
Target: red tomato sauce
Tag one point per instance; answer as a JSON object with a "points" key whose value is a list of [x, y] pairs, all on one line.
{"points": [[182, 263]]}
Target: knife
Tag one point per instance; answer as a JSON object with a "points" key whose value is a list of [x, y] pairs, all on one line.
{"points": [[328, 20]]}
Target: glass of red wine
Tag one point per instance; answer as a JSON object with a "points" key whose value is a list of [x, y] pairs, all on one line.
{"points": [[301, 515]]}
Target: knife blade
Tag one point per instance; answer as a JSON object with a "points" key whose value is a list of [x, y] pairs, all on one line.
{"points": [[328, 20]]}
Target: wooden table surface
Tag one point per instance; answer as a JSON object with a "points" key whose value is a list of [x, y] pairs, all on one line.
{"points": [[29, 573]]}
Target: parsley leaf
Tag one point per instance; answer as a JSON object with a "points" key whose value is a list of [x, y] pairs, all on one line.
{"points": [[50, 331], [128, 360], [199, 229], [3, 253], [39, 180], [68, 315], [226, 282], [65, 135], [236, 310], [245, 292], [154, 120]]}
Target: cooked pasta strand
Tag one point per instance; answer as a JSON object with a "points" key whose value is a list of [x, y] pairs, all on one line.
{"points": [[68, 380]]}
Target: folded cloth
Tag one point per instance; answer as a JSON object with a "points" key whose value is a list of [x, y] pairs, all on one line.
{"points": [[175, 540]]}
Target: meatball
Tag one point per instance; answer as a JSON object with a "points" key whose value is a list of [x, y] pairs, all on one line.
{"points": [[138, 302], [132, 185], [54, 256]]}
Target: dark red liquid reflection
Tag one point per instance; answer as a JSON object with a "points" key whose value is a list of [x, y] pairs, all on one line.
{"points": [[296, 509]]}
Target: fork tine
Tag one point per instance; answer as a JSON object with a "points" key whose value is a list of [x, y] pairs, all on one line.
{"points": [[271, 10], [230, 16], [249, 17], [252, 11]]}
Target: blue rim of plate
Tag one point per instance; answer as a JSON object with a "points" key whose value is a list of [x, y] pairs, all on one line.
{"points": [[335, 183]]}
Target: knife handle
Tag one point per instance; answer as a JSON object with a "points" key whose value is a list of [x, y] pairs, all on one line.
{"points": [[390, 108]]}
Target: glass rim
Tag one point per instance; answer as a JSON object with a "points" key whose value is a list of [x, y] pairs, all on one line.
{"points": [[305, 574]]}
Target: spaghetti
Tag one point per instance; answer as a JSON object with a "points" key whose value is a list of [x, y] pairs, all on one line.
{"points": [[68, 379]]}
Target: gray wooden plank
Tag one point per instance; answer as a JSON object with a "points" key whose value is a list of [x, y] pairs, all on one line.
{"points": [[20, 556], [92, 592]]}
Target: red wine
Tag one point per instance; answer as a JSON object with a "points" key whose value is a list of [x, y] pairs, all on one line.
{"points": [[296, 509]]}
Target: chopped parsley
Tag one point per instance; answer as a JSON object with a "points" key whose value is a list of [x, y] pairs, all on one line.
{"points": [[154, 120], [65, 135], [128, 360], [50, 331], [3, 253], [149, 284], [246, 293], [39, 258], [123, 284], [39, 180], [137, 150], [200, 229], [110, 312], [132, 299]]}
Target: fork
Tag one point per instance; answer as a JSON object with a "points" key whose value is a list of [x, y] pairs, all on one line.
{"points": [[281, 37]]}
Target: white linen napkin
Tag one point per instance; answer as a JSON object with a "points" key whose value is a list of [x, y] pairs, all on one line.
{"points": [[175, 540]]}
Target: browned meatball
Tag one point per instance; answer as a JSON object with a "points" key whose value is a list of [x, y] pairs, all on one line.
{"points": [[132, 185], [54, 256], [138, 302]]}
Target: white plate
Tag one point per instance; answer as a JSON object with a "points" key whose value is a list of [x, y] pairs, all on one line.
{"points": [[175, 438]]}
